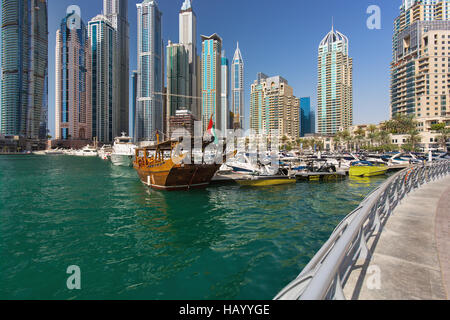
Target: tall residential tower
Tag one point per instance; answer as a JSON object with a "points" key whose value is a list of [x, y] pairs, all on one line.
{"points": [[188, 38], [335, 84], [419, 69], [211, 81], [117, 13], [105, 105], [24, 72], [225, 95], [237, 85], [73, 104], [274, 110], [150, 61]]}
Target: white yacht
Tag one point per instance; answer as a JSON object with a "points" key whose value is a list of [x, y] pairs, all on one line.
{"points": [[123, 151], [87, 151]]}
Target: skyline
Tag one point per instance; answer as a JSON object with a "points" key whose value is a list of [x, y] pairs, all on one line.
{"points": [[371, 49]]}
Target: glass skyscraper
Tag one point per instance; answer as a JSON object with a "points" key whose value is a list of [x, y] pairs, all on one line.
{"points": [[105, 105], [211, 80], [24, 72], [305, 109], [188, 38], [149, 111], [335, 84], [117, 13], [177, 79]]}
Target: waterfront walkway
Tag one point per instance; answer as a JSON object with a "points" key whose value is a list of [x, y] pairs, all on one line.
{"points": [[411, 259]]}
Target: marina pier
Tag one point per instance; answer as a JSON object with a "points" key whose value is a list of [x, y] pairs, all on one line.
{"points": [[393, 246]]}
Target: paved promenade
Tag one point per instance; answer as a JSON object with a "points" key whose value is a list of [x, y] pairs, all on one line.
{"points": [[412, 255]]}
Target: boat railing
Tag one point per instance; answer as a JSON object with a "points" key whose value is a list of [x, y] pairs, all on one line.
{"points": [[325, 276]]}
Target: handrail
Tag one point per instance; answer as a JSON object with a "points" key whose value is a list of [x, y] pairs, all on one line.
{"points": [[327, 273]]}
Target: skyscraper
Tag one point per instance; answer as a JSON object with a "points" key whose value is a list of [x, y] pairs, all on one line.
{"points": [[134, 81], [24, 73], [335, 84], [105, 105], [274, 110], [188, 38], [211, 80], [237, 79], [226, 124], [177, 79], [149, 111], [305, 117], [117, 13], [73, 104], [419, 69]]}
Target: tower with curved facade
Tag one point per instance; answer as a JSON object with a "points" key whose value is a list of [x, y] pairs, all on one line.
{"points": [[335, 84]]}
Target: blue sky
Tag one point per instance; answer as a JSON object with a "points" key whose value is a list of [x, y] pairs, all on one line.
{"points": [[276, 37]]}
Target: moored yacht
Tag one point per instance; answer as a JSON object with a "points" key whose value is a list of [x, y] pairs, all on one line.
{"points": [[123, 151], [87, 151]]}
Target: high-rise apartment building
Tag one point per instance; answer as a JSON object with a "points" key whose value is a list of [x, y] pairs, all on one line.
{"points": [[420, 73], [73, 104], [188, 38], [237, 84], [117, 13], [274, 110], [24, 72], [105, 105], [134, 81], [150, 91], [225, 85], [335, 84], [178, 79], [211, 80]]}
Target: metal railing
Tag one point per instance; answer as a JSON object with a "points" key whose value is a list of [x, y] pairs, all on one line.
{"points": [[325, 276]]}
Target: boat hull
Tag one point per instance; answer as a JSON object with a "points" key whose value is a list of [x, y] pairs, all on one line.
{"points": [[266, 182], [122, 160], [179, 177], [369, 171]]}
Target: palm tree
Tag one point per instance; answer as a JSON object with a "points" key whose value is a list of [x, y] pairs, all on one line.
{"points": [[413, 139], [444, 134], [347, 138], [401, 124], [337, 141]]}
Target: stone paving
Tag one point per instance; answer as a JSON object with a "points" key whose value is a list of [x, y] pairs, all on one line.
{"points": [[412, 256]]}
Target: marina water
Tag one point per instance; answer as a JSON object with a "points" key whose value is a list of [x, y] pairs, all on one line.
{"points": [[225, 242]]}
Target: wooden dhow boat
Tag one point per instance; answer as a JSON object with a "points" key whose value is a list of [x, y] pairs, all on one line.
{"points": [[161, 172]]}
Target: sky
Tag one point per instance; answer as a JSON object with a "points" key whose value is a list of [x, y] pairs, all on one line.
{"points": [[276, 37]]}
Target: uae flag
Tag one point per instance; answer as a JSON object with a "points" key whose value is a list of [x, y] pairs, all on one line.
{"points": [[212, 130]]}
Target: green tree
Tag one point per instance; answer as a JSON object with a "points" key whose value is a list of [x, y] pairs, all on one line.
{"points": [[444, 134]]}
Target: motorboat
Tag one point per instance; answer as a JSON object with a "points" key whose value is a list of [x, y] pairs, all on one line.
{"points": [[87, 151], [367, 169], [54, 152], [123, 151]]}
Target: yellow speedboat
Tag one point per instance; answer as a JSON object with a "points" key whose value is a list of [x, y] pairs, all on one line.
{"points": [[266, 181], [367, 169]]}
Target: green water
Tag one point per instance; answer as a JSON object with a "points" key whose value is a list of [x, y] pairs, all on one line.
{"points": [[224, 242]]}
